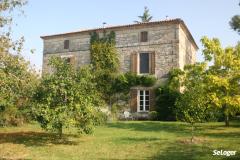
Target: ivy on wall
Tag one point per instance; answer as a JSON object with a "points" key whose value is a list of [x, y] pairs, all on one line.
{"points": [[103, 52], [105, 60]]}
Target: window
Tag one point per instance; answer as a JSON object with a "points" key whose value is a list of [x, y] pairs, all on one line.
{"points": [[144, 36], [67, 60], [70, 59], [66, 44], [143, 100], [144, 63]]}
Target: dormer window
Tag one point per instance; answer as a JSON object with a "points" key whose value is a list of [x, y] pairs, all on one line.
{"points": [[66, 44], [144, 36]]}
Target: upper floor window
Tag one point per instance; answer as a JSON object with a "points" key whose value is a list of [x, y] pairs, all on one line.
{"points": [[144, 36], [144, 65], [66, 44], [143, 62]]}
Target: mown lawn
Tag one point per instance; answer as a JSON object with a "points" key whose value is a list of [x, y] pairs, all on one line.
{"points": [[122, 140]]}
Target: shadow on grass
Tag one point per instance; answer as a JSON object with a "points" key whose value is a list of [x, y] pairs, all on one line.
{"points": [[152, 126], [35, 138], [134, 140]]}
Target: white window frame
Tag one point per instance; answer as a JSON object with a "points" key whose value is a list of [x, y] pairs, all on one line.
{"points": [[66, 56], [144, 101], [138, 64]]}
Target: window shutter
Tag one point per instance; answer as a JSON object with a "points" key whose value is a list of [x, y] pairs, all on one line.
{"points": [[133, 101], [152, 100], [134, 62], [72, 61], [152, 63], [66, 44], [144, 36]]}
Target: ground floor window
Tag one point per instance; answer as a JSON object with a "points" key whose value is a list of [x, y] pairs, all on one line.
{"points": [[143, 100]]}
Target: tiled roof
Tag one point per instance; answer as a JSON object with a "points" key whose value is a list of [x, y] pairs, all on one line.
{"points": [[167, 21]]}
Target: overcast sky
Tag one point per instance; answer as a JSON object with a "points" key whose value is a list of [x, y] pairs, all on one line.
{"points": [[43, 17]]}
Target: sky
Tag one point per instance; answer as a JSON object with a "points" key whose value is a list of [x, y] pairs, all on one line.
{"points": [[42, 17]]}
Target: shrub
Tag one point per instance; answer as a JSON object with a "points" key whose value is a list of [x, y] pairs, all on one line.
{"points": [[153, 115], [165, 103], [147, 80]]}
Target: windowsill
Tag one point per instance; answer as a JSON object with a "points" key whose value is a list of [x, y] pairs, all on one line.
{"points": [[144, 74], [143, 111]]}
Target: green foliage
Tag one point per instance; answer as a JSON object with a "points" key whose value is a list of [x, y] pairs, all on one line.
{"points": [[235, 23], [192, 105], [124, 82], [110, 83], [103, 52], [207, 91], [18, 83], [165, 103], [223, 77], [153, 115], [146, 17], [104, 59], [67, 98], [137, 80], [17, 79]]}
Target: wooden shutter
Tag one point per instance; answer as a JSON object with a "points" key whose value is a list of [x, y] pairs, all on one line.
{"points": [[134, 62], [66, 44], [152, 63], [72, 61], [144, 36], [133, 100], [152, 99]]}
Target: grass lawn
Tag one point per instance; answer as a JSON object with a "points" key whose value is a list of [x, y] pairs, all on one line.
{"points": [[122, 140]]}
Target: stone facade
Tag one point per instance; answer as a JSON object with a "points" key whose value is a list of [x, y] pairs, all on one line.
{"points": [[170, 40]]}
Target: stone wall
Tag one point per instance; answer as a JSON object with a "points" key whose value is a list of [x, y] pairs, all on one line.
{"points": [[187, 51], [162, 39]]}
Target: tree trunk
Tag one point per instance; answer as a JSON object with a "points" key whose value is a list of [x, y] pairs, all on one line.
{"points": [[110, 108], [60, 130], [227, 120], [192, 133], [226, 114], [110, 103]]}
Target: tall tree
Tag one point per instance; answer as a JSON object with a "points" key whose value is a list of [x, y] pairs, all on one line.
{"points": [[235, 23], [17, 79], [146, 17], [67, 98], [192, 105], [223, 76]]}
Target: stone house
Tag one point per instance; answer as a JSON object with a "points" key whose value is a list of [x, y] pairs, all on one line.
{"points": [[146, 48]]}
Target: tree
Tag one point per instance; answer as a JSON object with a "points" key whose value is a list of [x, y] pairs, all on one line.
{"points": [[67, 98], [223, 77], [167, 95], [165, 103], [192, 105], [17, 79], [146, 17], [235, 23]]}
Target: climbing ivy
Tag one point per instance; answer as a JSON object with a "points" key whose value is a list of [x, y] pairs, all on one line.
{"points": [[103, 52], [105, 61]]}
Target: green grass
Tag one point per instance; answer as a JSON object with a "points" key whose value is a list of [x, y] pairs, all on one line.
{"points": [[122, 140]]}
